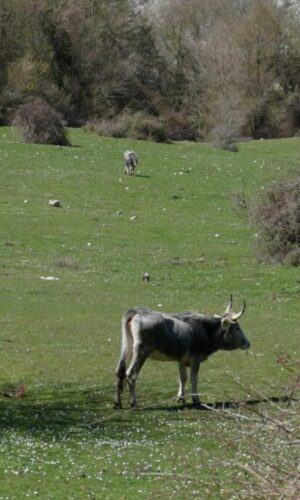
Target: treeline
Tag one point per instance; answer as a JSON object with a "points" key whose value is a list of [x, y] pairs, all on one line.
{"points": [[175, 69]]}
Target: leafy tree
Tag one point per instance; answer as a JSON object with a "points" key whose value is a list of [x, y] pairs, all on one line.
{"points": [[204, 68]]}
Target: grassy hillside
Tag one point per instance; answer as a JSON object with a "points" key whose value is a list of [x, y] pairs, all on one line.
{"points": [[179, 220]]}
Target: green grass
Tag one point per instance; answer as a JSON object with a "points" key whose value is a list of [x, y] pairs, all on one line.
{"points": [[61, 338]]}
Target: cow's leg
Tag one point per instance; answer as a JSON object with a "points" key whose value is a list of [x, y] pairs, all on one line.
{"points": [[194, 380], [140, 354], [182, 381], [120, 374]]}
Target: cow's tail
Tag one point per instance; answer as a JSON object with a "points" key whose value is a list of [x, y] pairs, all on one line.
{"points": [[126, 353], [127, 339]]}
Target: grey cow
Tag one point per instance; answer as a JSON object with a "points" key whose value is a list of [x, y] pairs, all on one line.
{"points": [[131, 160], [188, 338]]}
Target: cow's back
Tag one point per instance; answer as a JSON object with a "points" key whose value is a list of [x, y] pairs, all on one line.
{"points": [[165, 335]]}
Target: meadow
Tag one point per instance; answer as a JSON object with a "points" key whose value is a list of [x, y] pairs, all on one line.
{"points": [[67, 275]]}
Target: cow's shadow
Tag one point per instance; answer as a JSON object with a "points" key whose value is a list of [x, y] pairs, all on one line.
{"points": [[221, 405], [142, 175], [61, 410]]}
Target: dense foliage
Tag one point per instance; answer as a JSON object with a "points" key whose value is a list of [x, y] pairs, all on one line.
{"points": [[197, 68]]}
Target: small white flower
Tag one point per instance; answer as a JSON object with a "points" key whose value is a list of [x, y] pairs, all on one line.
{"points": [[49, 278]]}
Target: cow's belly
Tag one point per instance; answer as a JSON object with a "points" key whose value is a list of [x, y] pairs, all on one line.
{"points": [[160, 356]]}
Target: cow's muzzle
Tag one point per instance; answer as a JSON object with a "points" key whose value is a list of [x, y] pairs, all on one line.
{"points": [[245, 345]]}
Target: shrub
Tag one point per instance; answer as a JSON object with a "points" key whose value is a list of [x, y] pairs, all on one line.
{"points": [[147, 127], [36, 121], [114, 127], [9, 103], [227, 121], [180, 127], [225, 138], [293, 257], [136, 126], [277, 216]]}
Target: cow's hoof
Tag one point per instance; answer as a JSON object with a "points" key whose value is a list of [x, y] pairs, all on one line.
{"points": [[181, 400], [196, 403], [117, 406]]}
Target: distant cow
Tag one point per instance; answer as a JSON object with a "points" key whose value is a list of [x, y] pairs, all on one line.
{"points": [[131, 160], [188, 338]]}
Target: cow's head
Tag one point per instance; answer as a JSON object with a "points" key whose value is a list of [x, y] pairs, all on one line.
{"points": [[232, 336]]}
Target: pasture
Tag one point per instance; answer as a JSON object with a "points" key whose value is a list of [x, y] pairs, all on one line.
{"points": [[67, 275]]}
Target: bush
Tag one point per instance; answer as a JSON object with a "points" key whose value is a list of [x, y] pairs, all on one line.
{"points": [[136, 126], [227, 121], [225, 138], [147, 127], [37, 122], [109, 127], [180, 127], [277, 216], [9, 103]]}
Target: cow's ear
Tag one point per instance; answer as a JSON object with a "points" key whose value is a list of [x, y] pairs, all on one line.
{"points": [[225, 322]]}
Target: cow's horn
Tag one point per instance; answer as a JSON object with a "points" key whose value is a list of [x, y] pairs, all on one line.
{"points": [[229, 305], [235, 317]]}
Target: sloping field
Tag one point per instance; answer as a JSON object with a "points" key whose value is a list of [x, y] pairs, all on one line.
{"points": [[67, 275]]}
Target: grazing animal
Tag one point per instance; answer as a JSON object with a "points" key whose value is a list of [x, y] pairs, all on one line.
{"points": [[188, 338], [131, 160]]}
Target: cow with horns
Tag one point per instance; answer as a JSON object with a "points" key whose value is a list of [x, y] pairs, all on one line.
{"points": [[188, 338]]}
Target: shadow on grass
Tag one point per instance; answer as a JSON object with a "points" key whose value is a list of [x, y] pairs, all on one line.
{"points": [[60, 410], [142, 175], [68, 409], [221, 405]]}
